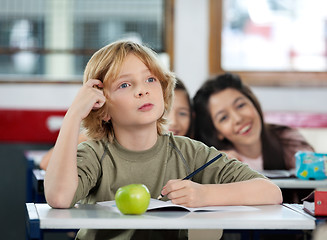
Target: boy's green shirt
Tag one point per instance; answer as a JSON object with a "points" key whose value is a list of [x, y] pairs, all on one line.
{"points": [[103, 167]]}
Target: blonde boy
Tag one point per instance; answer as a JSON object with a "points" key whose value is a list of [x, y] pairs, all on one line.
{"points": [[122, 103]]}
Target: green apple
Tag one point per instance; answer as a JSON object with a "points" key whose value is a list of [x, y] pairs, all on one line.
{"points": [[132, 199]]}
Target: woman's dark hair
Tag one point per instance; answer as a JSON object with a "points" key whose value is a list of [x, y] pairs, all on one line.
{"points": [[205, 131], [180, 86]]}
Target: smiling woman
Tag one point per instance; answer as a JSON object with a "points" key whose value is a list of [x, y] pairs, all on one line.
{"points": [[229, 117], [236, 119]]}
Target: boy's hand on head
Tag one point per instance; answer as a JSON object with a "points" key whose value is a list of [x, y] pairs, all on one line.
{"points": [[89, 97], [185, 192]]}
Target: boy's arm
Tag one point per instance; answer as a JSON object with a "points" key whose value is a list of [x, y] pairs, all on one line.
{"points": [[46, 158], [61, 179], [257, 191]]}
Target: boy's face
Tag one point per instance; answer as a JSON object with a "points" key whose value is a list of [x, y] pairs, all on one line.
{"points": [[135, 97]]}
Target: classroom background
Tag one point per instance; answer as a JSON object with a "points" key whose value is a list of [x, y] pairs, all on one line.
{"points": [[278, 47]]}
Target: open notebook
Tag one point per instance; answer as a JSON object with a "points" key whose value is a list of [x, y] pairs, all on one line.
{"points": [[158, 205]]}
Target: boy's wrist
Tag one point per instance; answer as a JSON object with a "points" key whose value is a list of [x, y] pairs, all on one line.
{"points": [[72, 119], [209, 194], [73, 115]]}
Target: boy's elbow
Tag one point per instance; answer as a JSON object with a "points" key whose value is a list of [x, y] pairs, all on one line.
{"points": [[270, 192], [58, 198], [58, 201], [276, 196], [59, 195], [279, 195]]}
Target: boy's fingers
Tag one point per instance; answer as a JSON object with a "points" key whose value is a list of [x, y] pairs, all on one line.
{"points": [[172, 185], [101, 101], [94, 82], [180, 201], [176, 194]]}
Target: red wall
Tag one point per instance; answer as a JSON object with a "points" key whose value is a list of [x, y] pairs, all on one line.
{"points": [[27, 125], [30, 126]]}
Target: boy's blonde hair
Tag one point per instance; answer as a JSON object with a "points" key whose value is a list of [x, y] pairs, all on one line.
{"points": [[105, 65]]}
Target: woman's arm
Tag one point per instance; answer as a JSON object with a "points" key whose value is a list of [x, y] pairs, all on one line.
{"points": [[61, 179]]}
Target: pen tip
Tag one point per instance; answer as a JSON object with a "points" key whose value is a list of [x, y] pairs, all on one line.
{"points": [[159, 197]]}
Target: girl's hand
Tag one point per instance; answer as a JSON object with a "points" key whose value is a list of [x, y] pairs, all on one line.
{"points": [[89, 97], [185, 192]]}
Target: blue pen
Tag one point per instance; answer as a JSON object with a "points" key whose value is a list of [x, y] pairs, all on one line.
{"points": [[197, 170]]}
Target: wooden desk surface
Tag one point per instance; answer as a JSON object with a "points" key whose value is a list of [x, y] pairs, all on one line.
{"points": [[100, 217]]}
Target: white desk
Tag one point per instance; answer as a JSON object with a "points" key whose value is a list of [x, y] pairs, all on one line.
{"points": [[35, 156], [295, 183], [268, 217]]}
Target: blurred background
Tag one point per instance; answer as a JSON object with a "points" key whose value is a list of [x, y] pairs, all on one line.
{"points": [[278, 47]]}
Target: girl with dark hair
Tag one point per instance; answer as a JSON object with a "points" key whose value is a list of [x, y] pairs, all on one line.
{"points": [[180, 117], [229, 117]]}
